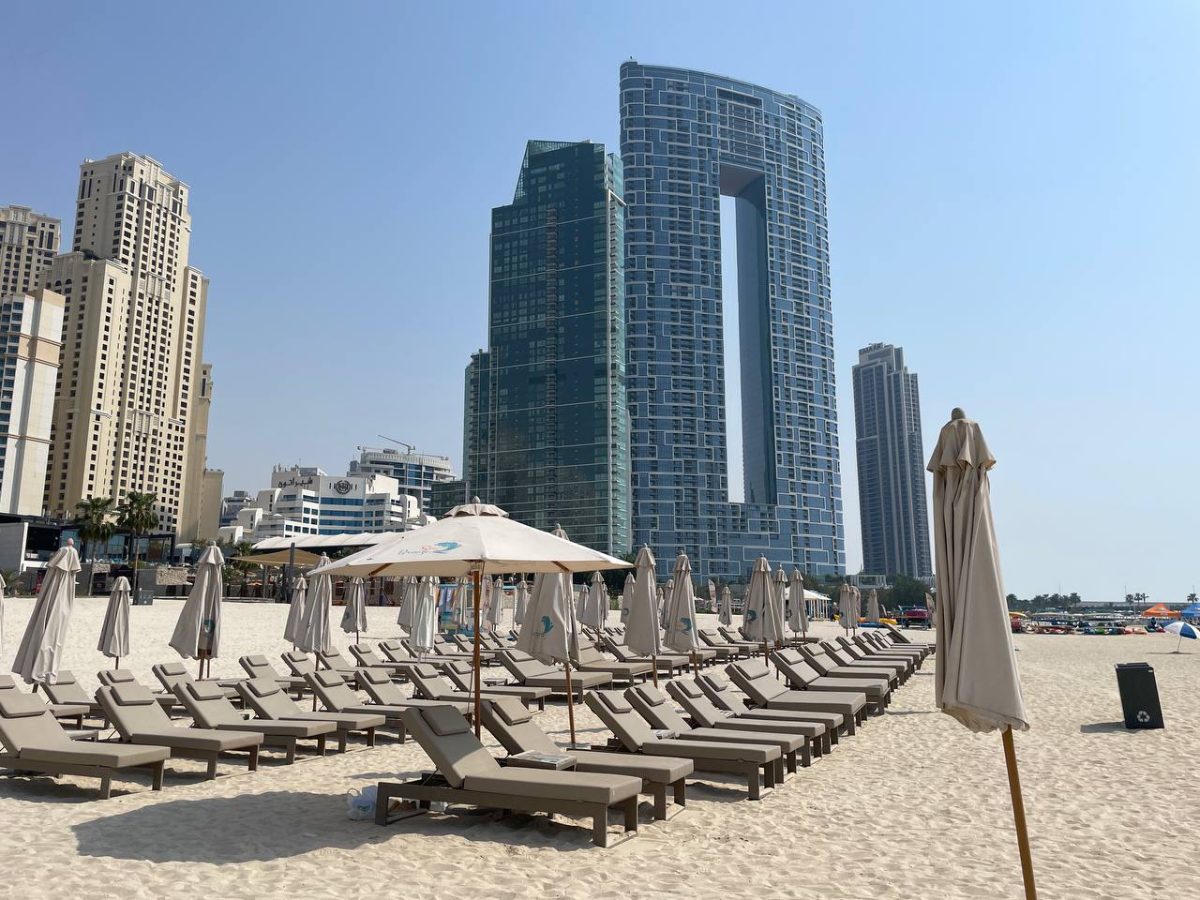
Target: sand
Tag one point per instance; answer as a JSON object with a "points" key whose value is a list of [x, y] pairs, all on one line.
{"points": [[914, 806]]}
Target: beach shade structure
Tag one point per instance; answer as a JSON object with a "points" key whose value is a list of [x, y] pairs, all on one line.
{"points": [[354, 616], [460, 607], [725, 616], [1184, 630], [712, 595], [641, 625], [477, 540], [976, 680], [873, 606], [595, 610], [1191, 611], [680, 631], [313, 636], [114, 631], [627, 596], [549, 634], [40, 651], [848, 607], [495, 605], [1160, 611], [779, 583], [522, 601], [798, 620], [760, 620], [198, 632], [424, 617], [408, 600], [295, 616]]}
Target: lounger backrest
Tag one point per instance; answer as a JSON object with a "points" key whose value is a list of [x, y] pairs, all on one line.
{"points": [[7, 683], [620, 718], [116, 676], [851, 650], [523, 666], [589, 655], [793, 664], [25, 721], [133, 709], [712, 638], [427, 681], [66, 689], [206, 703], [695, 702], [836, 656], [267, 698], [656, 708], [512, 725], [257, 667], [332, 689], [380, 687], [896, 634], [170, 675], [819, 661], [754, 679], [459, 674], [298, 663], [332, 659], [365, 655], [444, 733], [716, 686], [395, 651]]}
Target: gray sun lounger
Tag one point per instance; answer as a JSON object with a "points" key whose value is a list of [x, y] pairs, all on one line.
{"points": [[367, 658], [667, 663], [74, 711], [468, 774], [462, 676], [209, 708], [166, 699], [754, 679], [528, 671], [634, 735], [428, 683], [816, 657], [260, 667], [337, 696], [735, 636], [726, 698], [269, 702], [388, 694], [592, 660], [854, 652], [801, 676], [703, 712], [139, 718], [34, 742], [656, 708], [512, 725], [869, 645], [172, 675], [899, 637], [66, 691]]}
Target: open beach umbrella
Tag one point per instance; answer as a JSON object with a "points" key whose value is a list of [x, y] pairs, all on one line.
{"points": [[313, 636], [760, 621], [1184, 630], [495, 605], [641, 626], [522, 602], [848, 607], [873, 606], [479, 540], [354, 616], [295, 616], [424, 617], [40, 652], [976, 680], [198, 632], [725, 617], [799, 611], [680, 631], [595, 610], [114, 631], [627, 597]]}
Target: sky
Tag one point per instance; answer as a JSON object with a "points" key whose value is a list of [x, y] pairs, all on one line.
{"points": [[1012, 187]]}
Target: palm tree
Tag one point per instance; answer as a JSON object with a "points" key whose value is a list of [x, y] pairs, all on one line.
{"points": [[93, 518], [136, 516]]}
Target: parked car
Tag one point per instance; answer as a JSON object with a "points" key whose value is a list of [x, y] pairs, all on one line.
{"points": [[913, 617]]}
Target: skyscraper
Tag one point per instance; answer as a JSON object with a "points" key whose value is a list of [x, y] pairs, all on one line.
{"points": [[28, 242], [687, 139], [891, 465], [132, 342], [546, 435]]}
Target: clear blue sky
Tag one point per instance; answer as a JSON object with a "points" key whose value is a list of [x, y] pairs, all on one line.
{"points": [[1013, 194]]}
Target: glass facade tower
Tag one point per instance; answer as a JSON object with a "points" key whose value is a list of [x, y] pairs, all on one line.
{"points": [[546, 434], [687, 139]]}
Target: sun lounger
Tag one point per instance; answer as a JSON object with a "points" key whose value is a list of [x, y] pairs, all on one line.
{"points": [[333, 661], [754, 679], [166, 699], [428, 683], [668, 663], [209, 708], [462, 674], [267, 699], [465, 644], [74, 711], [717, 641], [67, 692], [528, 671], [861, 648], [735, 636], [703, 712], [849, 653], [799, 675], [260, 667], [140, 719], [468, 774], [726, 698], [512, 725], [34, 742], [819, 659], [395, 652], [387, 693], [367, 658], [873, 643], [634, 735], [592, 660], [337, 696], [171, 675], [899, 637]]}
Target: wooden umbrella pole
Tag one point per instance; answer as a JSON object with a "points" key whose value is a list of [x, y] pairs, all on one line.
{"points": [[570, 699], [653, 668], [479, 665], [1014, 786]]}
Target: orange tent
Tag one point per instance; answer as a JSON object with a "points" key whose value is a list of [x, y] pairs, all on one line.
{"points": [[1158, 610]]}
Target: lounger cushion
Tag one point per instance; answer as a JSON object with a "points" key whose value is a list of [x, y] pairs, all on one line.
{"points": [[718, 681], [205, 690], [426, 671], [373, 676], [614, 702], [657, 769], [64, 676], [197, 739], [16, 705], [119, 676], [511, 711], [650, 695], [548, 785], [132, 695], [689, 689], [262, 687], [444, 721], [756, 753], [172, 669], [326, 678], [86, 753], [257, 662]]}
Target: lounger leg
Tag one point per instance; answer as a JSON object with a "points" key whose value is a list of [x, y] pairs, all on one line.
{"points": [[631, 808], [156, 781], [321, 745], [786, 763], [105, 787], [370, 737], [600, 827], [851, 725], [752, 784], [342, 735], [212, 766], [806, 754], [660, 801], [290, 757], [769, 779], [541, 704], [254, 759], [681, 792]]}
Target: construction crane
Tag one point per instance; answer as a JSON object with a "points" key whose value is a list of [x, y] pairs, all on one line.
{"points": [[411, 448]]}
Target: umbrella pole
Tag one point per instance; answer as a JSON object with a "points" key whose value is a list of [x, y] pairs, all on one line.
{"points": [[478, 664], [1014, 786], [654, 668], [570, 698]]}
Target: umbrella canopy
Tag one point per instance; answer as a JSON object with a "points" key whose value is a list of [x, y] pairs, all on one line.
{"points": [[798, 620], [779, 584], [295, 616], [460, 608], [354, 616], [595, 610], [1159, 611], [660, 598], [641, 626], [314, 629], [2, 588], [548, 632], [848, 606], [522, 602], [1184, 630], [976, 680], [40, 651], [760, 620], [627, 597], [725, 617], [281, 558], [408, 602], [424, 617], [495, 605], [680, 633], [114, 632], [198, 631], [873, 606], [581, 600]]}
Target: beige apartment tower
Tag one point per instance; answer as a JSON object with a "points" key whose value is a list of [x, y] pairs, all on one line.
{"points": [[28, 242], [133, 335]]}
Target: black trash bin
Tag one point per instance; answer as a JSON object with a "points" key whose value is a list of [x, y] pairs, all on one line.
{"points": [[1139, 695]]}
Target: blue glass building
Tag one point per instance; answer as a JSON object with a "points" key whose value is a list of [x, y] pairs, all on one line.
{"points": [[687, 139]]}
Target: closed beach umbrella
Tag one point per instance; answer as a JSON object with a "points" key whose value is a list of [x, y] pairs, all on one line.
{"points": [[2, 588], [929, 604], [759, 620], [641, 627], [873, 606], [198, 632], [712, 595], [680, 632], [848, 607], [460, 608], [627, 597], [39, 654], [726, 615], [595, 611], [114, 632], [295, 616], [976, 680], [799, 611], [313, 636], [424, 618], [779, 584], [496, 606], [549, 634], [522, 602], [660, 598], [354, 616]]}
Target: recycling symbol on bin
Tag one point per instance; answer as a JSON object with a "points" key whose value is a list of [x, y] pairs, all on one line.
{"points": [[1143, 716]]}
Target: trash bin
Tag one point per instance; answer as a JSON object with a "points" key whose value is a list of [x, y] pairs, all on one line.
{"points": [[144, 597], [1139, 695]]}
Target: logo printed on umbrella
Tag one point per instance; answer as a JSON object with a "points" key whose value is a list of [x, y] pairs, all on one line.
{"points": [[440, 547], [685, 623], [624, 613], [547, 625], [751, 615]]}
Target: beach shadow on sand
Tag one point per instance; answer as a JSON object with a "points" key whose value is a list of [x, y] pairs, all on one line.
{"points": [[1106, 728]]}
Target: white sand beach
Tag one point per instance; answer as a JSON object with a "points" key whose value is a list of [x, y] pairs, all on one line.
{"points": [[913, 806]]}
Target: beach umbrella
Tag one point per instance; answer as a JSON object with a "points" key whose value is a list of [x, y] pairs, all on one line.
{"points": [[873, 606], [712, 595], [479, 540], [313, 636], [496, 605], [595, 610], [424, 617], [295, 616], [2, 588], [549, 633], [725, 617], [408, 601], [460, 608], [799, 612], [976, 680], [759, 618], [929, 604], [522, 602], [198, 632], [627, 597], [848, 607], [40, 651], [1184, 630], [354, 616], [779, 584], [114, 632], [661, 598], [680, 631], [641, 626]]}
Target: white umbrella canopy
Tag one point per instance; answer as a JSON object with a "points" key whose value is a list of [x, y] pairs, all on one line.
{"points": [[424, 617], [460, 607], [595, 611], [3, 586], [581, 600], [548, 634], [712, 595], [198, 632], [295, 616], [627, 597], [760, 621], [660, 598], [641, 627], [798, 618], [114, 631], [495, 605], [873, 606], [521, 603], [313, 636], [848, 607], [725, 617], [354, 616], [779, 581], [40, 651], [408, 602], [680, 631]]}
